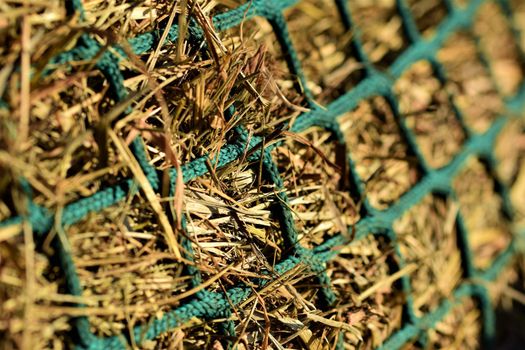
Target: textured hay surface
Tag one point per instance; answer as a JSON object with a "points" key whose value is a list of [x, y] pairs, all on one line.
{"points": [[62, 133]]}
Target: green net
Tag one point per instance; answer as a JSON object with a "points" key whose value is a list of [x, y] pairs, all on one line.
{"points": [[214, 305]]}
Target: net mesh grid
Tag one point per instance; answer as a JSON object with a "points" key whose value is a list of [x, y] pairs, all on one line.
{"points": [[213, 305]]}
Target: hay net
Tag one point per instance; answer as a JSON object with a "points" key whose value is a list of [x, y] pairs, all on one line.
{"points": [[378, 222]]}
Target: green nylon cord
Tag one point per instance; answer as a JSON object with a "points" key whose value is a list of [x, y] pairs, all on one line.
{"points": [[208, 305]]}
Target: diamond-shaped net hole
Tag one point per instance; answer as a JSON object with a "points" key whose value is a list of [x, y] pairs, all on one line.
{"points": [[510, 156], [427, 14], [381, 28], [368, 309], [369, 296], [382, 157], [499, 45], [470, 82], [22, 273], [313, 167], [518, 16], [460, 329], [231, 223], [324, 48], [125, 266], [488, 230], [426, 107], [70, 156], [427, 238]]}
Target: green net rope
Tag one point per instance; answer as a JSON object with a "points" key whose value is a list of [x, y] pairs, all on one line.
{"points": [[213, 305]]}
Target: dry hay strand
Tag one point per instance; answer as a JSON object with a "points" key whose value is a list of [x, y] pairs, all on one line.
{"points": [[376, 145], [231, 224], [313, 167], [381, 28], [428, 14], [460, 329], [498, 43], [488, 230], [324, 48], [510, 155], [427, 237], [426, 107], [469, 82], [369, 297], [25, 294]]}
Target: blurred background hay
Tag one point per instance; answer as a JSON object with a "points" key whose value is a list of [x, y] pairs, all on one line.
{"points": [[60, 130]]}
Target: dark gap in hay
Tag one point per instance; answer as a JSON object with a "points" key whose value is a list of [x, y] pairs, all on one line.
{"points": [[316, 185], [487, 228], [510, 155], [124, 266], [507, 294], [428, 14], [383, 160], [231, 223], [196, 334], [498, 44], [460, 329], [425, 105], [382, 34], [324, 48], [470, 82], [427, 236]]}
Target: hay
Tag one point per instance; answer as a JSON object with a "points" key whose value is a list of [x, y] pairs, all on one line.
{"points": [[488, 228], [375, 143], [381, 27], [427, 235], [63, 133], [429, 114], [498, 44], [461, 329], [470, 82], [428, 14], [510, 155], [313, 167], [324, 48]]}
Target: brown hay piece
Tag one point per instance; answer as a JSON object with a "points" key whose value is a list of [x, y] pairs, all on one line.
{"points": [[460, 329], [428, 14], [498, 44], [319, 197], [382, 161], [427, 237], [488, 230], [324, 49], [428, 112], [382, 31], [469, 82]]}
